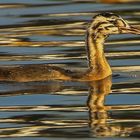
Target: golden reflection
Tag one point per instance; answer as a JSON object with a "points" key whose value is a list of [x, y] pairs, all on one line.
{"points": [[11, 5], [65, 57], [101, 124], [17, 42], [55, 120], [97, 110], [75, 28], [118, 1]]}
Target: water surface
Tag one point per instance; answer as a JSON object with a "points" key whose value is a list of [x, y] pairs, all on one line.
{"points": [[53, 32]]}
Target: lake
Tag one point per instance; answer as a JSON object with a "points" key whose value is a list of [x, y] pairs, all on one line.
{"points": [[53, 32]]}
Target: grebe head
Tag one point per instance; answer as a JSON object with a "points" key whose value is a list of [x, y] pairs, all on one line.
{"points": [[105, 24]]}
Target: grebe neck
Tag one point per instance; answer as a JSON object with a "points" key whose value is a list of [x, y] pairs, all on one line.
{"points": [[95, 52]]}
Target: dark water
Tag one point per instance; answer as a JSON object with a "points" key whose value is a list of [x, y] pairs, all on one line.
{"points": [[52, 32]]}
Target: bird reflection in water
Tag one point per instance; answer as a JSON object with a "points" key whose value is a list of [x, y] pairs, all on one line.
{"points": [[101, 123], [101, 27], [99, 117], [97, 110]]}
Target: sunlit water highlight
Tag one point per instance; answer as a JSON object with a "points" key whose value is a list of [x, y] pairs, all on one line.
{"points": [[52, 32]]}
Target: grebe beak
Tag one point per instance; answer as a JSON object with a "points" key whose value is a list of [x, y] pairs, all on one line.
{"points": [[130, 29]]}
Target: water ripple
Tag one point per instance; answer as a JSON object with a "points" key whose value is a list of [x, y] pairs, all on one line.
{"points": [[53, 33]]}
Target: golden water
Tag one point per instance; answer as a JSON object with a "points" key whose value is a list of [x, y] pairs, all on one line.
{"points": [[53, 32]]}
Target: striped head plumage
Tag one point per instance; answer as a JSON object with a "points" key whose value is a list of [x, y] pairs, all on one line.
{"points": [[105, 24]]}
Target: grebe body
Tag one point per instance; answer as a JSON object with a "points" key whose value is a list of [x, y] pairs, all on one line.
{"points": [[100, 28]]}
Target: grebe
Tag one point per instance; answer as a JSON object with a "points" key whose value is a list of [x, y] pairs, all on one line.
{"points": [[101, 27]]}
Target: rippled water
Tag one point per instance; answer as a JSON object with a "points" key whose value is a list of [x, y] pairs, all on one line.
{"points": [[52, 32]]}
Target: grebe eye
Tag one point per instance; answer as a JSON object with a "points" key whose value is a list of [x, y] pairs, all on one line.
{"points": [[111, 21]]}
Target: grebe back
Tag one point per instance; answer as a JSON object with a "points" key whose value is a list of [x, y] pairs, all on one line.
{"points": [[100, 28]]}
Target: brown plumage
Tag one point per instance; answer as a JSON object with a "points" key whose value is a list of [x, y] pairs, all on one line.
{"points": [[100, 28]]}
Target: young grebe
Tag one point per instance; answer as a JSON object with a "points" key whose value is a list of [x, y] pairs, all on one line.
{"points": [[101, 27]]}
